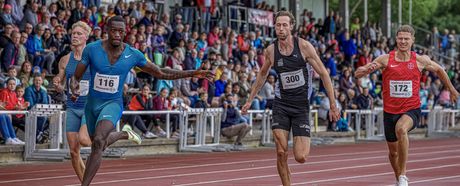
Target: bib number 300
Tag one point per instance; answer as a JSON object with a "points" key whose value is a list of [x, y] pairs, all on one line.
{"points": [[106, 83], [292, 79]]}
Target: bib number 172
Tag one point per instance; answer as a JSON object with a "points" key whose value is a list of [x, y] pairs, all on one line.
{"points": [[401, 88]]}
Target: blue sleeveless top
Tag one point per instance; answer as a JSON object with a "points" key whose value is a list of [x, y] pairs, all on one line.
{"points": [[84, 84], [107, 79]]}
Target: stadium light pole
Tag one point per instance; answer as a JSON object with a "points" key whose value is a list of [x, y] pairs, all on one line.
{"points": [[399, 12], [365, 12], [410, 12]]}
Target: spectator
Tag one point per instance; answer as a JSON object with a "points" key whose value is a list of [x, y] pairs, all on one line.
{"points": [[202, 102], [9, 101], [40, 55], [255, 43], [202, 44], [364, 101], [174, 60], [231, 123], [30, 15], [5, 38], [22, 53], [142, 101], [12, 74], [76, 15], [57, 96], [323, 111], [158, 43], [187, 91], [177, 36], [213, 36], [345, 81], [5, 16], [35, 94], [10, 54], [25, 73], [220, 85], [266, 95], [160, 102], [19, 120]]}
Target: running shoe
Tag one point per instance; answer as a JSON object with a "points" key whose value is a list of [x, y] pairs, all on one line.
{"points": [[133, 136], [403, 180]]}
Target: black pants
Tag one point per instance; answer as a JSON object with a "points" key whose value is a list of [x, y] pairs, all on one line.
{"points": [[174, 119], [137, 121], [19, 122]]}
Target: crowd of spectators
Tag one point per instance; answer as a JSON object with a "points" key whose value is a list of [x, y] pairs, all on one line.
{"points": [[35, 36]]}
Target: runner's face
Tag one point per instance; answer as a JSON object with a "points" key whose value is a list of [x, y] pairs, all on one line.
{"points": [[117, 33], [79, 36], [404, 41], [283, 27]]}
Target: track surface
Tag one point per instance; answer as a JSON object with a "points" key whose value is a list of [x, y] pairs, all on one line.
{"points": [[431, 162]]}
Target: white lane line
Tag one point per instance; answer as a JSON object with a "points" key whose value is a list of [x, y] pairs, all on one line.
{"points": [[236, 162], [259, 160], [378, 174], [254, 177]]}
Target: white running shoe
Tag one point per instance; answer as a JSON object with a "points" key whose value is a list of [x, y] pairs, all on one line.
{"points": [[11, 141], [133, 136], [149, 135], [403, 180], [19, 141]]}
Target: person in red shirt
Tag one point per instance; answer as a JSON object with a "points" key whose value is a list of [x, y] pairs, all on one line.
{"points": [[9, 102], [19, 120], [142, 101], [160, 102], [401, 102], [213, 36]]}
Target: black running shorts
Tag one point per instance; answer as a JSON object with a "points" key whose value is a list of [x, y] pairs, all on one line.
{"points": [[390, 120], [285, 119]]}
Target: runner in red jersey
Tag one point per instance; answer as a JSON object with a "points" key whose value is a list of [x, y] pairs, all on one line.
{"points": [[401, 102]]}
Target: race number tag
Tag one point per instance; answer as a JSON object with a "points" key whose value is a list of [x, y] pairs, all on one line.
{"points": [[400, 89], [106, 83], [292, 79], [84, 87]]}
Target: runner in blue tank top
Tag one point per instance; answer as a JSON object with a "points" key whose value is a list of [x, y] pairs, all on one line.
{"points": [[110, 61], [76, 130]]}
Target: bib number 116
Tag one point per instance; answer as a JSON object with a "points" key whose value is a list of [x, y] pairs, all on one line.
{"points": [[106, 82]]}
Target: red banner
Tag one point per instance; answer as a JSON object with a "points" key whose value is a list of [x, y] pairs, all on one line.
{"points": [[260, 17]]}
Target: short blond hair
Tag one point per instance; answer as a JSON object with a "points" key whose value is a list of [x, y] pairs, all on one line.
{"points": [[82, 25]]}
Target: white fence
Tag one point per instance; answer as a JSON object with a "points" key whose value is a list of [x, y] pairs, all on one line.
{"points": [[207, 124]]}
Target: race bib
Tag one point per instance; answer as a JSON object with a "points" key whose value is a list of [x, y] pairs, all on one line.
{"points": [[292, 79], [400, 89], [84, 87], [106, 83]]}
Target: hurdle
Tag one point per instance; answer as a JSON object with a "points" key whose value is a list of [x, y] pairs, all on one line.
{"points": [[56, 136]]}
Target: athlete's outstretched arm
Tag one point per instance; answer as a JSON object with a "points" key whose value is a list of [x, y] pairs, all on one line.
{"points": [[371, 67], [309, 52], [432, 66], [164, 73], [261, 77]]}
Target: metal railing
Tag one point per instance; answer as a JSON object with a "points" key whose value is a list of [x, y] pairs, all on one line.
{"points": [[154, 112], [207, 123]]}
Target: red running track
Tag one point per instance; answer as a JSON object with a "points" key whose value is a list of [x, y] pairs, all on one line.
{"points": [[431, 162]]}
